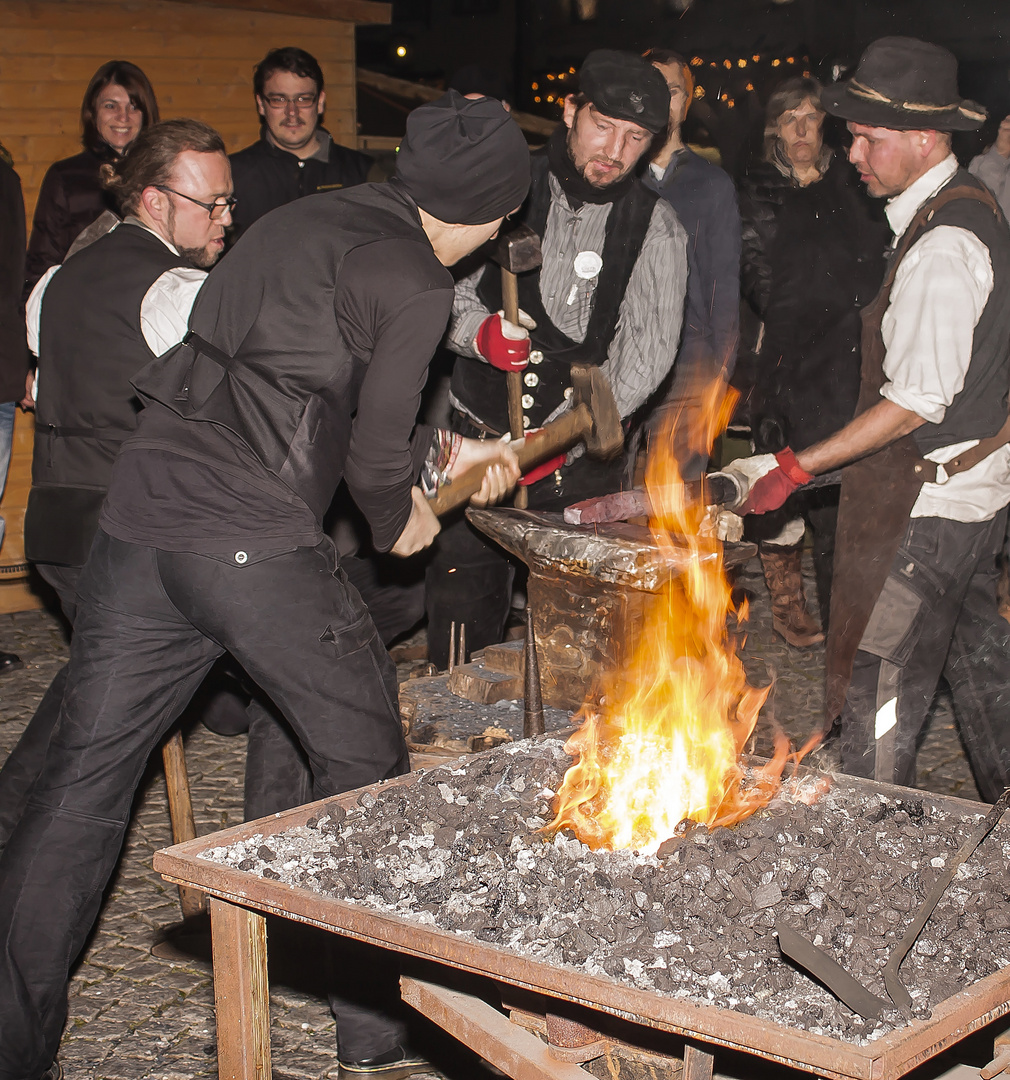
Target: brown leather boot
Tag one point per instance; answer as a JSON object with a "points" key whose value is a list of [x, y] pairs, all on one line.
{"points": [[784, 578]]}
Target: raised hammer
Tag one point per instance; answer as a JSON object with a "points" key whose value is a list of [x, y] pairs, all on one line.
{"points": [[516, 252]]}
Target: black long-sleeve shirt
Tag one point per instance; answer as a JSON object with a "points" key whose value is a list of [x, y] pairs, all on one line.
{"points": [[331, 331]]}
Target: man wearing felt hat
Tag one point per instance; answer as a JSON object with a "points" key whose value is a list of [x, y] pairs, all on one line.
{"points": [[927, 477], [305, 361], [610, 292]]}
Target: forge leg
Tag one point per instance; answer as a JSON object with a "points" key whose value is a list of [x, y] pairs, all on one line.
{"points": [[515, 1051], [698, 1064], [241, 994]]}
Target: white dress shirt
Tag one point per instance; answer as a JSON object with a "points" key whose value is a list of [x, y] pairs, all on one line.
{"points": [[940, 289], [164, 311]]}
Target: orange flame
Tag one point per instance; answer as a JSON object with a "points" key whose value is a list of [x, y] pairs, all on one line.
{"points": [[664, 746]]}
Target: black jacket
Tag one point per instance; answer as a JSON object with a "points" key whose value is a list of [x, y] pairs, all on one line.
{"points": [[310, 345], [70, 199], [13, 342], [812, 257], [266, 177]]}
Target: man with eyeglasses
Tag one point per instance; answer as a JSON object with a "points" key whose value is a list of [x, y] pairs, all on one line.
{"points": [[293, 156], [113, 306]]}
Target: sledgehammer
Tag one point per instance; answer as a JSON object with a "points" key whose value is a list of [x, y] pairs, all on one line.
{"points": [[516, 252], [593, 420]]}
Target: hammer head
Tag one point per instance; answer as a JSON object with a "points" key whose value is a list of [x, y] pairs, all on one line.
{"points": [[518, 250], [606, 439]]}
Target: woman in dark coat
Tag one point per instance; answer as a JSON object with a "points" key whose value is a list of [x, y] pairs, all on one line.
{"points": [[118, 103], [813, 247]]}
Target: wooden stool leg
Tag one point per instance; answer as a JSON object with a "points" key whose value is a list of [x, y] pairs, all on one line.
{"points": [[241, 992], [180, 810]]}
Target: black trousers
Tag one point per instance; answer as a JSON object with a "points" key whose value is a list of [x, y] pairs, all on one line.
{"points": [[149, 626], [936, 615]]}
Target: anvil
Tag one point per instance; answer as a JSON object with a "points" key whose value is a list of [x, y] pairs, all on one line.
{"points": [[590, 589]]}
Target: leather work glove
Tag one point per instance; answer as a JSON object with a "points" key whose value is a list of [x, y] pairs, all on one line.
{"points": [[767, 480], [503, 345]]}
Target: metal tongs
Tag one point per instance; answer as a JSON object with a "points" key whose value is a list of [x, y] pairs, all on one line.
{"points": [[850, 990]]}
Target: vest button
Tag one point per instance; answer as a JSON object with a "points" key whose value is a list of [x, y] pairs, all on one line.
{"points": [[241, 558], [536, 356], [526, 421], [531, 378], [527, 401]]}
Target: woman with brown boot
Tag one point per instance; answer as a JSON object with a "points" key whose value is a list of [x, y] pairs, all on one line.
{"points": [[813, 247]]}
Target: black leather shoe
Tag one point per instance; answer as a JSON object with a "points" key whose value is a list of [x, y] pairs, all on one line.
{"points": [[9, 662], [397, 1064]]}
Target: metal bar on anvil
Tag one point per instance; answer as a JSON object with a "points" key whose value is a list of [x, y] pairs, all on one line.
{"points": [[888, 1058], [617, 553]]}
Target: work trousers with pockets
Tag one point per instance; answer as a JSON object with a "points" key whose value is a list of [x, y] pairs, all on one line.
{"points": [[936, 615], [150, 624]]}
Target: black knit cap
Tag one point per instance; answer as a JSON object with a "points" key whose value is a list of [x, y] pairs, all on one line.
{"points": [[907, 85], [464, 162], [626, 87]]}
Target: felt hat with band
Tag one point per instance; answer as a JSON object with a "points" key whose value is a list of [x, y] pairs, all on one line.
{"points": [[906, 85]]}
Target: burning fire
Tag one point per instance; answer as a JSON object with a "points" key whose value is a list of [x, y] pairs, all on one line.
{"points": [[665, 746]]}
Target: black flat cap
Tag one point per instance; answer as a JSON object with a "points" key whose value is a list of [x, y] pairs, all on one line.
{"points": [[907, 85], [626, 87]]}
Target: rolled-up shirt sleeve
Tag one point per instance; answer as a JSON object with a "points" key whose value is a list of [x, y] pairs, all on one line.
{"points": [[392, 304], [940, 290]]}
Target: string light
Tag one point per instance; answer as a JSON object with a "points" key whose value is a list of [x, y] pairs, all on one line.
{"points": [[534, 86], [696, 61], [749, 86], [776, 62], [699, 91], [727, 64], [756, 57], [742, 62], [790, 59], [537, 98]]}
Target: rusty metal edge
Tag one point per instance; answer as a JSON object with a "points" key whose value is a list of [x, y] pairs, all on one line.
{"points": [[888, 1058]]}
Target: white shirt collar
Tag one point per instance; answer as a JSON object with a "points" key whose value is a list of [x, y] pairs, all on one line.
{"points": [[902, 208], [130, 219]]}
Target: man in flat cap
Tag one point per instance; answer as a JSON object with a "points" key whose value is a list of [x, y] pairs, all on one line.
{"points": [[610, 293], [925, 491], [307, 351]]}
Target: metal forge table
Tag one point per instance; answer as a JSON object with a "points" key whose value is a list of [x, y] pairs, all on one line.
{"points": [[238, 899]]}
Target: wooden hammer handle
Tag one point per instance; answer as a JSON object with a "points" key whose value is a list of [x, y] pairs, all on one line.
{"points": [[548, 442], [513, 379]]}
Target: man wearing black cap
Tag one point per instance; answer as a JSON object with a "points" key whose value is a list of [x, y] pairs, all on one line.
{"points": [[923, 505], [307, 352], [610, 293]]}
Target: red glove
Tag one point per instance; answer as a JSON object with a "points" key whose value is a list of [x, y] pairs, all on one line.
{"points": [[503, 344], [538, 472], [771, 490]]}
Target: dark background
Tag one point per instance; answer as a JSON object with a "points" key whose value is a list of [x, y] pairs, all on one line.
{"points": [[528, 41]]}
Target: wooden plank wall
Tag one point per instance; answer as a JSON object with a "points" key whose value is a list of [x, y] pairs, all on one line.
{"points": [[199, 60]]}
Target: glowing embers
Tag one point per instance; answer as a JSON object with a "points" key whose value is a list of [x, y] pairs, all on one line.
{"points": [[664, 746]]}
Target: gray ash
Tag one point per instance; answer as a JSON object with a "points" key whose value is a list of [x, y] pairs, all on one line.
{"points": [[459, 849]]}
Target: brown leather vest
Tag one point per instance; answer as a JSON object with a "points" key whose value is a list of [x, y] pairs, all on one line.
{"points": [[879, 491]]}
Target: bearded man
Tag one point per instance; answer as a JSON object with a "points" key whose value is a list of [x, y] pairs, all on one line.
{"points": [[610, 293]]}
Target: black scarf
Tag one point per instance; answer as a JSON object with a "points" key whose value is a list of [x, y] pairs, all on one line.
{"points": [[573, 183]]}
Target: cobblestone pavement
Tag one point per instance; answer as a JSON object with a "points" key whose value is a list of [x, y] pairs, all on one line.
{"points": [[133, 1016]]}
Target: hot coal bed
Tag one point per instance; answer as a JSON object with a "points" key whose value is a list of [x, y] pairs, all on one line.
{"points": [[460, 848]]}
